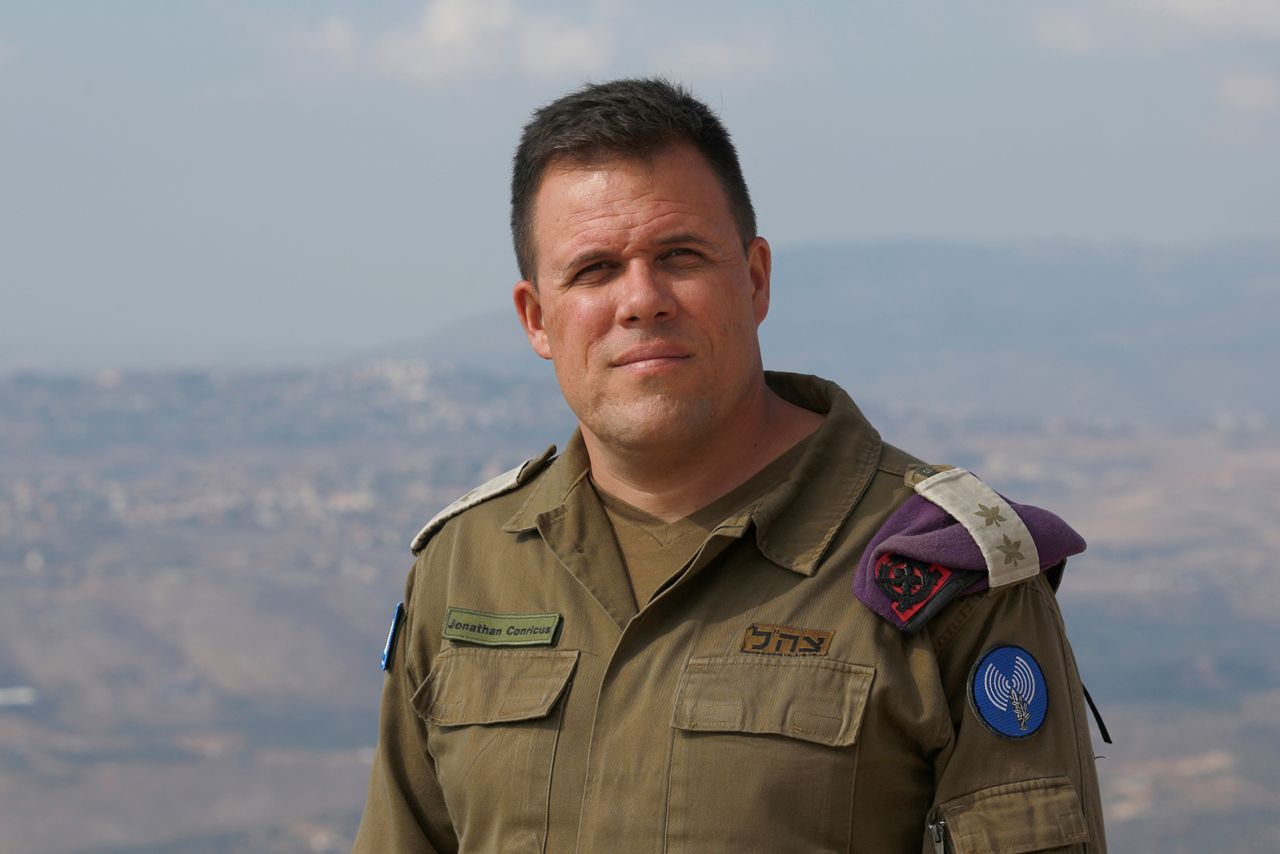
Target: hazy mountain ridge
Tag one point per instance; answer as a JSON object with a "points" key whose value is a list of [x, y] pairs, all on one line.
{"points": [[1137, 335], [1120, 334]]}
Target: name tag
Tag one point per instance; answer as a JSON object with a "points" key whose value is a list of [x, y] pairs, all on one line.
{"points": [[490, 629]]}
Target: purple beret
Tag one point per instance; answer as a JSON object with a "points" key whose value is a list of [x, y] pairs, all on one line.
{"points": [[923, 556]]}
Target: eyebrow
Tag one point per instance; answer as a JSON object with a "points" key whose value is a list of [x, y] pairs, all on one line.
{"points": [[593, 255], [684, 237]]}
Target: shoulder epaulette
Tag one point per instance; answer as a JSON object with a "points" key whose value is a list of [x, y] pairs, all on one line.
{"points": [[500, 485], [954, 537]]}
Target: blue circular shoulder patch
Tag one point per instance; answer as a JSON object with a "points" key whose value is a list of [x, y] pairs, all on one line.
{"points": [[1008, 692]]}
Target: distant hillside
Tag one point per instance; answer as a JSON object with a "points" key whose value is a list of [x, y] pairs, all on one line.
{"points": [[197, 568]]}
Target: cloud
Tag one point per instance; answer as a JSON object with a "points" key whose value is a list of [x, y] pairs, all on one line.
{"points": [[1154, 25], [740, 55], [450, 38], [505, 39], [1249, 93], [1066, 31], [551, 47], [1253, 19], [334, 38], [8, 54]]}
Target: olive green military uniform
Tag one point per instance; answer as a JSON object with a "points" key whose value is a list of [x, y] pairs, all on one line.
{"points": [[752, 705]]}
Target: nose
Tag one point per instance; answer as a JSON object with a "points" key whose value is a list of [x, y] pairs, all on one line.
{"points": [[644, 295]]}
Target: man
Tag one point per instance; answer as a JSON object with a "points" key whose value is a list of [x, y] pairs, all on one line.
{"points": [[728, 617]]}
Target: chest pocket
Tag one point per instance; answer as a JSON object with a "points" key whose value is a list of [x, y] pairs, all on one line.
{"points": [[764, 754], [494, 721]]}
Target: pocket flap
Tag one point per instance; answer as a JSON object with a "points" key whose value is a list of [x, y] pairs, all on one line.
{"points": [[821, 701], [1033, 815], [486, 686]]}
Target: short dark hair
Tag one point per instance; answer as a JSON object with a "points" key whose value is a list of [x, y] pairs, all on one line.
{"points": [[633, 117]]}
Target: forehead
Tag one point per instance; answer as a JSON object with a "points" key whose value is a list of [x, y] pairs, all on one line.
{"points": [[610, 197]]}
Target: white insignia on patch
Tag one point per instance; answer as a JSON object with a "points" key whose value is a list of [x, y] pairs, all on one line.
{"points": [[491, 488], [1001, 535]]}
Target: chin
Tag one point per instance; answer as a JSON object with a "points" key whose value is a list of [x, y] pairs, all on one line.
{"points": [[651, 422]]}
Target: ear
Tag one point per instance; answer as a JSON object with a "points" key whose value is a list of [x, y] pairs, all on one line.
{"points": [[759, 268], [529, 310]]}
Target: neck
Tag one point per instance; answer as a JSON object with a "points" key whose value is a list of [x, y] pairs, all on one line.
{"points": [[671, 481]]}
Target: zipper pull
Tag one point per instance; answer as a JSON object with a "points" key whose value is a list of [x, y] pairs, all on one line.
{"points": [[938, 830]]}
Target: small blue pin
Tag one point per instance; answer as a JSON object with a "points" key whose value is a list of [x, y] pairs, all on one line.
{"points": [[389, 649]]}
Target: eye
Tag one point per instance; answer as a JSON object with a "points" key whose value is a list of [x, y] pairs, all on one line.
{"points": [[683, 256], [591, 273]]}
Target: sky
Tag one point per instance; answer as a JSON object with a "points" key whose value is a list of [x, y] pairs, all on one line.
{"points": [[243, 184]]}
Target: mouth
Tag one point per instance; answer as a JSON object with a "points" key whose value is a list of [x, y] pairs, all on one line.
{"points": [[650, 356]]}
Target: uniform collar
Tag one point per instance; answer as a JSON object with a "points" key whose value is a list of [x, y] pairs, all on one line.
{"points": [[550, 492], [797, 520]]}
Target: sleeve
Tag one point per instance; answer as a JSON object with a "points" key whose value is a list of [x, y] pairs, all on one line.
{"points": [[405, 811], [1018, 773]]}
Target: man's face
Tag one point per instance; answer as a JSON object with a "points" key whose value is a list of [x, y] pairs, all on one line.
{"points": [[646, 301]]}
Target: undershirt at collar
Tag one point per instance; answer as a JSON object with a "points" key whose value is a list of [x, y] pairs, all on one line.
{"points": [[652, 550]]}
